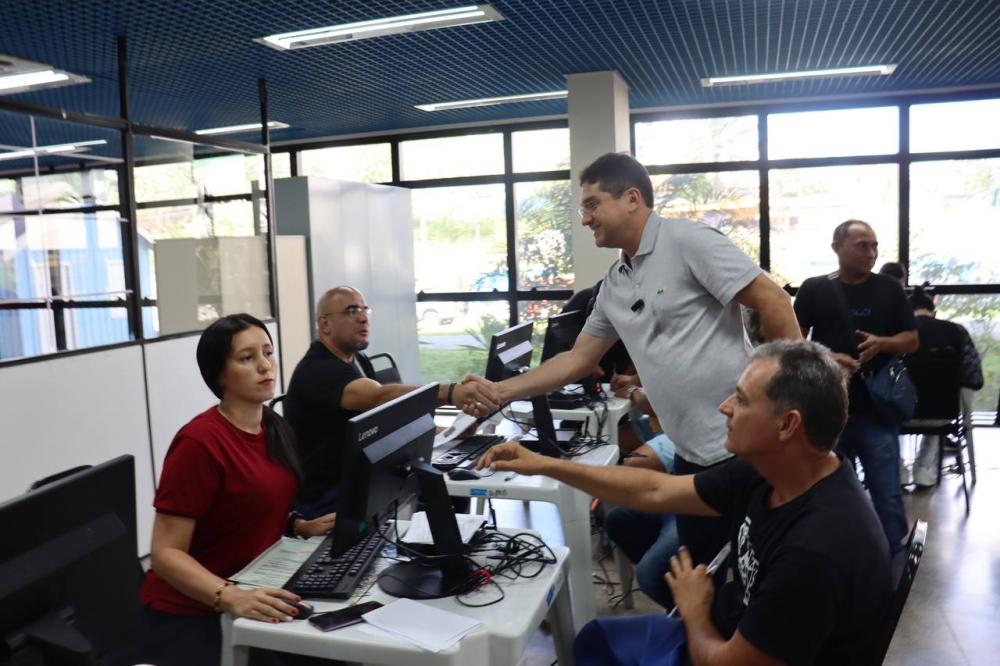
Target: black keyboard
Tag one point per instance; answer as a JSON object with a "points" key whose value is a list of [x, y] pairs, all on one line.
{"points": [[466, 452], [325, 576]]}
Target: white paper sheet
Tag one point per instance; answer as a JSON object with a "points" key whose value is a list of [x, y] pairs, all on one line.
{"points": [[457, 427], [420, 530], [426, 626]]}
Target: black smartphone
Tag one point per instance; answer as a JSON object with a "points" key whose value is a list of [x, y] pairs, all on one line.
{"points": [[344, 617]]}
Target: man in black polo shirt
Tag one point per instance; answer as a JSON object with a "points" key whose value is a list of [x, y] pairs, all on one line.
{"points": [[863, 317], [334, 382], [811, 578]]}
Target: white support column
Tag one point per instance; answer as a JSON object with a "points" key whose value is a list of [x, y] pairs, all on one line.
{"points": [[598, 124]]}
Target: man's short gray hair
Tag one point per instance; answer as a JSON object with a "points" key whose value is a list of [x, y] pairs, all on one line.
{"points": [[809, 380]]}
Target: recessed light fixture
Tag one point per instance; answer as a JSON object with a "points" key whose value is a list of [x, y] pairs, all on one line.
{"points": [[868, 70], [56, 149], [491, 101], [237, 129], [19, 75], [350, 32]]}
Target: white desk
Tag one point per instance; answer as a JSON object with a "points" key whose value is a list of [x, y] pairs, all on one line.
{"points": [[574, 512], [616, 409], [501, 640]]}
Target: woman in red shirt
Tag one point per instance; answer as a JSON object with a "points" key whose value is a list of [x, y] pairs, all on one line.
{"points": [[227, 485]]}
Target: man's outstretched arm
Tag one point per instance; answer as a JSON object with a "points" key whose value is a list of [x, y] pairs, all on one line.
{"points": [[630, 487]]}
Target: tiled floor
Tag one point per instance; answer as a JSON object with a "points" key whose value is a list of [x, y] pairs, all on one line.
{"points": [[952, 617]]}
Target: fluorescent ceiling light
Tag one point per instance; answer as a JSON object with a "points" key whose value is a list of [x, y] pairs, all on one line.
{"points": [[349, 32], [236, 129], [868, 70], [22, 81], [491, 101], [56, 149]]}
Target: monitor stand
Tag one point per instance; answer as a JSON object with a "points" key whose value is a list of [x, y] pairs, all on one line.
{"points": [[444, 573]]}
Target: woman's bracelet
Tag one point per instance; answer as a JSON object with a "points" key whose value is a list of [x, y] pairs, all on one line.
{"points": [[217, 599]]}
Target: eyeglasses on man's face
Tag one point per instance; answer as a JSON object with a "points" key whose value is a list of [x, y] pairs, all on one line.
{"points": [[355, 311]]}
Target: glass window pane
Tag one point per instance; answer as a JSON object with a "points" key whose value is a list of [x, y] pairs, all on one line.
{"points": [[870, 131], [73, 189], [970, 125], [980, 315], [543, 219], [807, 204], [200, 263], [186, 178], [727, 200], [452, 156], [460, 238], [455, 337], [540, 150], [368, 163], [73, 255], [955, 221], [281, 165], [689, 140]]}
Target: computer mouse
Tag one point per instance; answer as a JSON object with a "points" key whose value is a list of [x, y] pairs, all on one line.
{"points": [[460, 474], [304, 609]]}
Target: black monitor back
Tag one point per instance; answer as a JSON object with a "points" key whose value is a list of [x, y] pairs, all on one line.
{"points": [[561, 333], [69, 568], [510, 352], [378, 446]]}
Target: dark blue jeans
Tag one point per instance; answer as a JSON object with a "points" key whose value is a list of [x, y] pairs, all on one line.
{"points": [[876, 445], [649, 540], [649, 640]]}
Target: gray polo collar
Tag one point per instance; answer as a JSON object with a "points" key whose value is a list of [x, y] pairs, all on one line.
{"points": [[648, 241]]}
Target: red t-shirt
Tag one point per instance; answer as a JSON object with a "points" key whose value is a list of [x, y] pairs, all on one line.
{"points": [[239, 498]]}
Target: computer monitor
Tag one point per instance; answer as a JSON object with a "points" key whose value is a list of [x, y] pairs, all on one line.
{"points": [[69, 570], [510, 352], [561, 333], [387, 454]]}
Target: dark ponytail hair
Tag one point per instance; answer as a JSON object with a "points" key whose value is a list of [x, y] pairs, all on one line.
{"points": [[213, 350], [921, 300]]}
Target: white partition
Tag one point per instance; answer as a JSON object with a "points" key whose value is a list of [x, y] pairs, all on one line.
{"points": [[76, 410]]}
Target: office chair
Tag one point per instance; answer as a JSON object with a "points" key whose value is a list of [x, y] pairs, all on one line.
{"points": [[275, 403], [914, 551], [388, 375], [52, 478], [935, 376]]}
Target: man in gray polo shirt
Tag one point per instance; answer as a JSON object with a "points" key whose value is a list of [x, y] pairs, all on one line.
{"points": [[673, 298]]}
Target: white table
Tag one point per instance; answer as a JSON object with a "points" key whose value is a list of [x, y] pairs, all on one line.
{"points": [[574, 513], [501, 640], [616, 409]]}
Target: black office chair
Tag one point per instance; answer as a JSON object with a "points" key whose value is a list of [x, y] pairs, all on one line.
{"points": [[936, 377], [276, 401], [52, 478], [387, 375], [913, 552]]}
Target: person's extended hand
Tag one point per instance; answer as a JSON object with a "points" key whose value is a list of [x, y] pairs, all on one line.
{"points": [[476, 396], [691, 586], [869, 347], [512, 457], [621, 382], [847, 363], [316, 526], [266, 604]]}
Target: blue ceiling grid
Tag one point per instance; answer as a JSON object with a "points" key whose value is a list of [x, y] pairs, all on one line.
{"points": [[194, 64]]}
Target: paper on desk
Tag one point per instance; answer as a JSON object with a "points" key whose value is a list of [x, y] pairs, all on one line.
{"points": [[420, 530], [277, 564], [457, 427], [426, 626]]}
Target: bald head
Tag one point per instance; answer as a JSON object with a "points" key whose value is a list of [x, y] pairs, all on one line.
{"points": [[342, 321]]}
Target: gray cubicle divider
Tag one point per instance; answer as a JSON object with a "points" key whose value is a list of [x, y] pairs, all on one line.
{"points": [[76, 410]]}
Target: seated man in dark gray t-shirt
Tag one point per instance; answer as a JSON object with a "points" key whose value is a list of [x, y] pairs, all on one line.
{"points": [[335, 382], [811, 578]]}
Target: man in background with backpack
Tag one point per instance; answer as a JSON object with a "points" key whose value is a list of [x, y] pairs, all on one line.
{"points": [[864, 318]]}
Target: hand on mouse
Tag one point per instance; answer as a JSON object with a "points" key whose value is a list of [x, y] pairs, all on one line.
{"points": [[512, 457], [265, 604]]}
